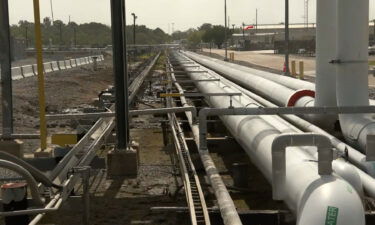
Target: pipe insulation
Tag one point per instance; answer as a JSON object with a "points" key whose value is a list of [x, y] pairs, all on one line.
{"points": [[279, 94], [352, 69], [310, 192]]}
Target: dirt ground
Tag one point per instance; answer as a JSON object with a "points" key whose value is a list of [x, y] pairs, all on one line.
{"points": [[73, 88]]}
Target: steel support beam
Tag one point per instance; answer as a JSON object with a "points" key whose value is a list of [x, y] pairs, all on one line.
{"points": [[6, 75], [120, 72]]}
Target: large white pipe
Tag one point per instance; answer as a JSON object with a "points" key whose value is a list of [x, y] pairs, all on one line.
{"points": [[308, 194], [289, 82], [352, 68], [326, 26], [279, 94]]}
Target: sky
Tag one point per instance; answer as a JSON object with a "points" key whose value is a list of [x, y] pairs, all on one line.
{"points": [[184, 14]]}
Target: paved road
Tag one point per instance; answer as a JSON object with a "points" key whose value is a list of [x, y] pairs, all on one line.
{"points": [[275, 61], [266, 58]]}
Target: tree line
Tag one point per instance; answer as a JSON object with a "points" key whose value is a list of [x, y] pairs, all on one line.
{"points": [[59, 34]]}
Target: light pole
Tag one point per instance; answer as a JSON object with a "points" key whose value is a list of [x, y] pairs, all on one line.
{"points": [[134, 19], [134, 41], [225, 32], [287, 72]]}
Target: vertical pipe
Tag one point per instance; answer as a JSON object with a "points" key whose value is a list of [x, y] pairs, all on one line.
{"points": [[41, 94], [119, 71], [6, 74], [326, 33], [287, 72], [352, 71]]}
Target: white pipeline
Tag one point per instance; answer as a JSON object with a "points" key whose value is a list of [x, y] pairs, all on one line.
{"points": [[306, 190]]}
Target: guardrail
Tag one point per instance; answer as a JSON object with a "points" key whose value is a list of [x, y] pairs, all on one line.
{"points": [[53, 66]]}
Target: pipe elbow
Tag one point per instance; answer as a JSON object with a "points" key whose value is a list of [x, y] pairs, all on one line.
{"points": [[332, 201]]}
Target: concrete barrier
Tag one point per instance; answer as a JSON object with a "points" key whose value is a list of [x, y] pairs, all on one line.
{"points": [[62, 65], [67, 64], [16, 73], [73, 62], [27, 71], [80, 61], [47, 67], [35, 69], [55, 66]]}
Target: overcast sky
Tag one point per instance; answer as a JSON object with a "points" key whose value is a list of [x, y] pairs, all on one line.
{"points": [[162, 13]]}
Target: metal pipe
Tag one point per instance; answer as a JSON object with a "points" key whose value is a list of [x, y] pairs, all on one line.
{"points": [[286, 81], [279, 145], [205, 112], [352, 69], [48, 206], [279, 94], [120, 71], [255, 135], [226, 205], [27, 176], [326, 32], [6, 74], [19, 136], [131, 113]]}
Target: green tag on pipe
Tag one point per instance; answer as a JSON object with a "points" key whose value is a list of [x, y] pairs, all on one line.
{"points": [[332, 214]]}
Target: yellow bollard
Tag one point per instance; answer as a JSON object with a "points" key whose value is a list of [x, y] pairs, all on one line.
{"points": [[301, 70], [294, 72], [41, 94]]}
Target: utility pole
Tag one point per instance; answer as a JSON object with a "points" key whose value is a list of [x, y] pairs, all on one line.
{"points": [[61, 39], [52, 12], [75, 37], [26, 35], [287, 72], [256, 21], [6, 75], [134, 19], [134, 41], [225, 32]]}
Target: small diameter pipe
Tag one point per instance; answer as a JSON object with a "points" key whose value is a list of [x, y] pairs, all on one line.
{"points": [[131, 113], [53, 205], [226, 205], [27, 176]]}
